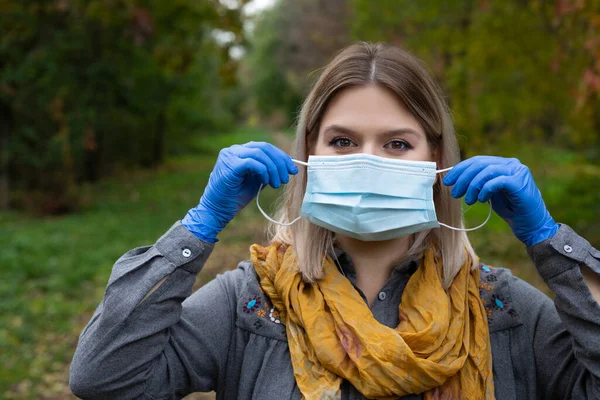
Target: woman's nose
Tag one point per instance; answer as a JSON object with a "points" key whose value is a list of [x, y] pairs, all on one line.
{"points": [[370, 148], [375, 150]]}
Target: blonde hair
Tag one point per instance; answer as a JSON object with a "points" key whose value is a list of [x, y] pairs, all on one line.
{"points": [[401, 72]]}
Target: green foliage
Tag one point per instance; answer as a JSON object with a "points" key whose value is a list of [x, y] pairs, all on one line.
{"points": [[513, 70], [89, 86], [212, 144], [271, 89], [288, 44], [199, 105]]}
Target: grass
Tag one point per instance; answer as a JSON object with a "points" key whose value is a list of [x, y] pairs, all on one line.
{"points": [[55, 269], [567, 184]]}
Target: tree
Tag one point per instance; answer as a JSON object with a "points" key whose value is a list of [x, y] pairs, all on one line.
{"points": [[290, 42], [514, 70], [90, 85]]}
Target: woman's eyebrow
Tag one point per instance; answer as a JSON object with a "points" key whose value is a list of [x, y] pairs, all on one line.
{"points": [[402, 131], [393, 132], [339, 129]]}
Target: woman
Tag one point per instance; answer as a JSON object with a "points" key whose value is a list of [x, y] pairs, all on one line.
{"points": [[376, 292]]}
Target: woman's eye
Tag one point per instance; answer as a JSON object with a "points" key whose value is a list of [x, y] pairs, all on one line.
{"points": [[398, 145], [341, 142]]}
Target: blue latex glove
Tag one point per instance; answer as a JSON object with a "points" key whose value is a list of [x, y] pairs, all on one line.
{"points": [[236, 178], [510, 186]]}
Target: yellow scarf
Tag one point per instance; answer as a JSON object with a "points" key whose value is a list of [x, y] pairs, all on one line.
{"points": [[441, 346]]}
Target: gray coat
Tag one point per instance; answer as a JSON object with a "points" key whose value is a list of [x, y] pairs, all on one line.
{"points": [[226, 337]]}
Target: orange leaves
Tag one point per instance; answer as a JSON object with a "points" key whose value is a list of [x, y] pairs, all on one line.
{"points": [[564, 7], [142, 26]]}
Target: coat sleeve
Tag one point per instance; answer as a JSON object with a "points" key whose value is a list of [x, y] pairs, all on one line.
{"points": [[153, 344], [566, 333]]}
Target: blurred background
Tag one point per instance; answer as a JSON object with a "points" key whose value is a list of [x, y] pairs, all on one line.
{"points": [[112, 113]]}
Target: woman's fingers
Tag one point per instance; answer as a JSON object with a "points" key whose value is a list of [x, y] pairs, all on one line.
{"points": [[282, 161], [503, 182], [242, 153], [489, 172], [282, 155], [464, 172], [276, 164], [249, 166], [453, 175], [465, 178], [260, 155]]}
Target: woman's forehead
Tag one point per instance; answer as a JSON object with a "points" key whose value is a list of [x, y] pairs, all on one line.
{"points": [[368, 109]]}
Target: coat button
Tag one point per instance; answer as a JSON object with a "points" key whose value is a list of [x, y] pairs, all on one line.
{"points": [[186, 253], [382, 296], [568, 248]]}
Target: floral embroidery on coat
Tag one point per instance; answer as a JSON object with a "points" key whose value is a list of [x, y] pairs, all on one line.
{"points": [[267, 311], [252, 304], [496, 305], [274, 315]]}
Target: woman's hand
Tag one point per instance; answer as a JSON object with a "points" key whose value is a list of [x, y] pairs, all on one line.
{"points": [[235, 180], [514, 195]]}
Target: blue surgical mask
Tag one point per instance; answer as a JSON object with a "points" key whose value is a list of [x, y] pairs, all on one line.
{"points": [[369, 197]]}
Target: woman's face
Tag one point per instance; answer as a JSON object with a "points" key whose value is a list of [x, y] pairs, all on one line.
{"points": [[371, 119]]}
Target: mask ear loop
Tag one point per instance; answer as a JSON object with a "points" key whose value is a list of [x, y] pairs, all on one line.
{"points": [[263, 211], [465, 229]]}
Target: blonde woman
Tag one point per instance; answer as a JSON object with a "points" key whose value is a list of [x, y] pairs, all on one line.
{"points": [[370, 287]]}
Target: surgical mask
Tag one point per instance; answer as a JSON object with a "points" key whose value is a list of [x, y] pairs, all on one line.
{"points": [[369, 197]]}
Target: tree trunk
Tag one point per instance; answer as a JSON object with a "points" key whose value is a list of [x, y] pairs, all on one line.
{"points": [[6, 126], [160, 138], [158, 153]]}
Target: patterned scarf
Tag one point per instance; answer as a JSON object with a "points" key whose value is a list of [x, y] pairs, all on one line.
{"points": [[441, 347]]}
